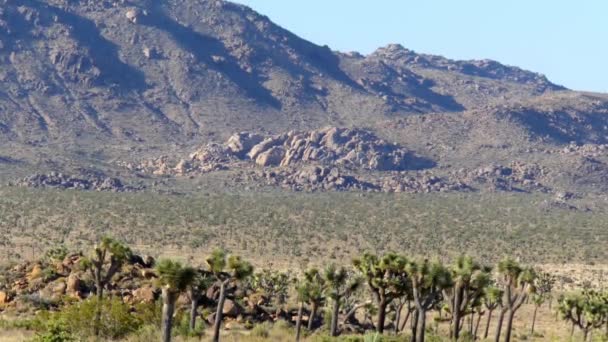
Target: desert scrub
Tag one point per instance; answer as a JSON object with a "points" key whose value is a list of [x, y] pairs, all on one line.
{"points": [[486, 226]]}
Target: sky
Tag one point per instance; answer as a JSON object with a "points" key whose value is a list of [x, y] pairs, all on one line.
{"points": [[565, 40]]}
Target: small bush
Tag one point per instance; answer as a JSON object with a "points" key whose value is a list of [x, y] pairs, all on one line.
{"points": [[56, 331], [79, 319], [261, 330]]}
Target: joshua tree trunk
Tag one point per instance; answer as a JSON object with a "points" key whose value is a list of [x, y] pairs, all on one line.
{"points": [[414, 325], [398, 318], [219, 312], [456, 314], [533, 319], [485, 334], [476, 326], [501, 318], [167, 319], [193, 308], [334, 317], [509, 325], [421, 326], [299, 321], [381, 315], [471, 320], [99, 293], [311, 317], [407, 317], [585, 335]]}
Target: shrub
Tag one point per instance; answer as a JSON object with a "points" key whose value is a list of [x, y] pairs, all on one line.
{"points": [[261, 330], [56, 331], [116, 319]]}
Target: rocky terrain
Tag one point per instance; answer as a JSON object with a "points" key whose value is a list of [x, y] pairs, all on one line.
{"points": [[60, 181], [138, 86]]}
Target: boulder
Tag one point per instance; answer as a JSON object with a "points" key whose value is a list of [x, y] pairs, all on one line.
{"points": [[271, 157], [231, 308], [146, 294], [240, 143], [73, 285], [35, 273], [4, 297]]}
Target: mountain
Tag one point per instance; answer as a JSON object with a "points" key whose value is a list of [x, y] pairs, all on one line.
{"points": [[90, 82]]}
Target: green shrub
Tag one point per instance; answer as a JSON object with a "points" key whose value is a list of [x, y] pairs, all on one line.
{"points": [[116, 319], [182, 325], [56, 331], [261, 330]]}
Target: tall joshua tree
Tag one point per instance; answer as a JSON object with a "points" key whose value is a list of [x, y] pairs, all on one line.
{"points": [[428, 279], [226, 269], [315, 293], [174, 278], [386, 277], [587, 310], [469, 281], [311, 290], [492, 299], [200, 284], [338, 285], [301, 297], [106, 258], [517, 283]]}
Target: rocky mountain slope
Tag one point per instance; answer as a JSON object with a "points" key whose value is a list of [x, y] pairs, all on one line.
{"points": [[102, 84]]}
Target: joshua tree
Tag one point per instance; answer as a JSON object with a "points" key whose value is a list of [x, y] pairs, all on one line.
{"points": [[309, 290], [315, 286], [226, 269], [517, 283], [588, 311], [105, 260], [301, 297], [386, 278], [543, 285], [492, 299], [404, 301], [273, 284], [174, 278], [200, 284], [469, 280], [428, 279], [337, 286]]}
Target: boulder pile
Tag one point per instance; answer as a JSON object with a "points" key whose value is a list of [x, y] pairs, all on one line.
{"points": [[62, 181], [515, 177]]}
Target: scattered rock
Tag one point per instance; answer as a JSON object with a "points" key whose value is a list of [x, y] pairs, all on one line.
{"points": [[62, 181]]}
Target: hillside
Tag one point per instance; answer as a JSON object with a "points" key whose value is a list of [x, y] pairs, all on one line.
{"points": [[91, 86]]}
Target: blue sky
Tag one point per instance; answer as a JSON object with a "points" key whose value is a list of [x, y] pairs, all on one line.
{"points": [[565, 40]]}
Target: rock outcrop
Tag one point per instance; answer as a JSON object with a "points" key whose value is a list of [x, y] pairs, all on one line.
{"points": [[61, 181]]}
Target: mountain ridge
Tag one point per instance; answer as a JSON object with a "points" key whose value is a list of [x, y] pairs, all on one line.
{"points": [[86, 83]]}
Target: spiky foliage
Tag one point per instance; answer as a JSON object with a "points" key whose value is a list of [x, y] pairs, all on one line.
{"points": [[106, 258], [492, 299], [428, 280], [386, 277], [173, 278], [587, 310], [338, 283], [469, 281], [201, 282], [315, 286], [226, 269], [273, 285], [518, 283]]}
